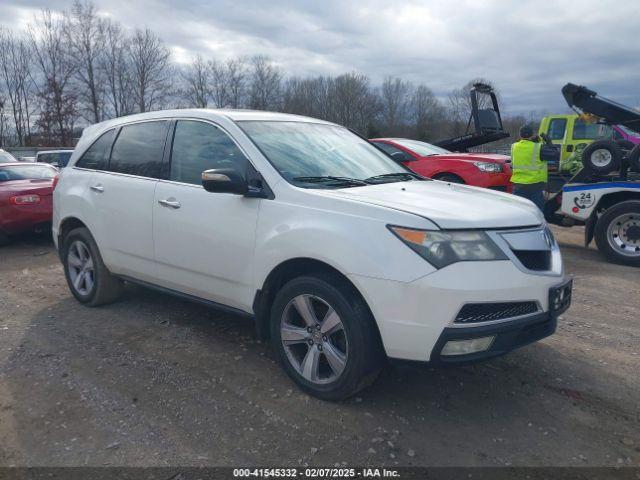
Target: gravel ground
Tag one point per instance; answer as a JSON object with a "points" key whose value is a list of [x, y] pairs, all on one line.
{"points": [[154, 380]]}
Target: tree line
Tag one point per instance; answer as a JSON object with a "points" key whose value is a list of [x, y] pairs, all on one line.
{"points": [[74, 68]]}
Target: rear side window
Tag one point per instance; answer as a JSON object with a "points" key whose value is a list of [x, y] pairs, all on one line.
{"points": [[557, 127], [200, 146], [138, 149], [96, 156]]}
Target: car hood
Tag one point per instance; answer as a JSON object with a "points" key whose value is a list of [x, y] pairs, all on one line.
{"points": [[475, 157], [448, 205]]}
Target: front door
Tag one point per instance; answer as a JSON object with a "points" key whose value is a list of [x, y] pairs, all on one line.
{"points": [[204, 242]]}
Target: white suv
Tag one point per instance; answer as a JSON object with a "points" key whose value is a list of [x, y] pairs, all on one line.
{"points": [[343, 257]]}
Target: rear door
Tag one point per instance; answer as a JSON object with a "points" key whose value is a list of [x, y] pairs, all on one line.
{"points": [[204, 241], [123, 198]]}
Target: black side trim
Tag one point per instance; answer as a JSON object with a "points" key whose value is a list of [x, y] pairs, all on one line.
{"points": [[186, 296]]}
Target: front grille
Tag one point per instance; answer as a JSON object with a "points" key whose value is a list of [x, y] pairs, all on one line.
{"points": [[486, 312], [539, 260]]}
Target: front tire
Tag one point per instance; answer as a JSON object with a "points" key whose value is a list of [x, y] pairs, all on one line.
{"points": [[325, 336], [617, 233], [449, 178], [88, 278]]}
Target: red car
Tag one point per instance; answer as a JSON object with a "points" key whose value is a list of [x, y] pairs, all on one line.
{"points": [[477, 169], [26, 191]]}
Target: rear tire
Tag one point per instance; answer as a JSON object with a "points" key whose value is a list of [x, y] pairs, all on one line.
{"points": [[449, 178], [634, 158], [332, 349], [617, 233], [602, 157], [87, 276]]}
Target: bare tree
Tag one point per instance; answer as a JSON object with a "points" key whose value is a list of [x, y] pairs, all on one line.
{"points": [[395, 96], [15, 69], [85, 32], [56, 69], [428, 114], [353, 104], [150, 70], [115, 68], [266, 84], [197, 83]]}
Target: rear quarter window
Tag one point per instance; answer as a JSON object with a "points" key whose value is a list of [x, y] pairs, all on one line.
{"points": [[139, 148], [97, 155]]}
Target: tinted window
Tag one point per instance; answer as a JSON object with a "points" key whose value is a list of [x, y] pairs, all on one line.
{"points": [[60, 158], [138, 149], [199, 146], [557, 126], [96, 155], [26, 172]]}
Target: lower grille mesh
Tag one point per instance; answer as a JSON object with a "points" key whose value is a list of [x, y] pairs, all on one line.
{"points": [[486, 312]]}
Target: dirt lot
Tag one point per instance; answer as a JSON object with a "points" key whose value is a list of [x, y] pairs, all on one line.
{"points": [[153, 380]]}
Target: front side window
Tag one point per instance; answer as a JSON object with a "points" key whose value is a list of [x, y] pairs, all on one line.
{"points": [[306, 153], [139, 148], [97, 155], [557, 127], [26, 172], [200, 146], [390, 149]]}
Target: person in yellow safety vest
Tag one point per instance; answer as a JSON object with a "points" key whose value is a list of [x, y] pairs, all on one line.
{"points": [[529, 171]]}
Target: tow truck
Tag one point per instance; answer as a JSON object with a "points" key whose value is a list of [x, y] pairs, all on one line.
{"points": [[604, 195]]}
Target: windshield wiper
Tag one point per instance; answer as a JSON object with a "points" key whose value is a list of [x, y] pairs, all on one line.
{"points": [[401, 176], [332, 179]]}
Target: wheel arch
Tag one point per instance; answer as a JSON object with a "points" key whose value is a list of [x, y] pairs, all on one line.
{"points": [[66, 225], [280, 275], [441, 174]]}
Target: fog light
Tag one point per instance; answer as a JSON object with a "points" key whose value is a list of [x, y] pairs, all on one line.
{"points": [[464, 347]]}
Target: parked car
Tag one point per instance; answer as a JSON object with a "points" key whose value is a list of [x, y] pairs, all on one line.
{"points": [[341, 255], [27, 159], [6, 157], [57, 158], [25, 198], [478, 169]]}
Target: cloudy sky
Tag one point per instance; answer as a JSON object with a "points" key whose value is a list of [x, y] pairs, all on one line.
{"points": [[529, 49]]}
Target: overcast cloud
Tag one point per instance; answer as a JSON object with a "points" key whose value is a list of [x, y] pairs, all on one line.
{"points": [[529, 49]]}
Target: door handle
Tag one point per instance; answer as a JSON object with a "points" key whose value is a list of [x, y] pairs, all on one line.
{"points": [[171, 203], [97, 188]]}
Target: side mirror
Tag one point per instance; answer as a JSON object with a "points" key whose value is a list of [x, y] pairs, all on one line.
{"points": [[224, 180]]}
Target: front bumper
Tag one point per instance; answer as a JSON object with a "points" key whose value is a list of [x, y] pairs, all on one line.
{"points": [[415, 318], [508, 336]]}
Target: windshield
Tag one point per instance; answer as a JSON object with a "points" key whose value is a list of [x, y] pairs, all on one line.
{"points": [[423, 149], [7, 157], [305, 152], [26, 172]]}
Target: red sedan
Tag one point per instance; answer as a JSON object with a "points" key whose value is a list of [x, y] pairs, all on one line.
{"points": [[26, 191], [477, 169]]}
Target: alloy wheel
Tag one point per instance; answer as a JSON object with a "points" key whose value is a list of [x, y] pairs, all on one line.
{"points": [[314, 339], [81, 268]]}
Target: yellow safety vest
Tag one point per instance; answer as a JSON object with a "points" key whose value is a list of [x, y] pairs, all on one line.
{"points": [[526, 164]]}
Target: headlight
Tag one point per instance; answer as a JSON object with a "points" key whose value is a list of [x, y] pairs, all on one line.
{"points": [[442, 248], [488, 167]]}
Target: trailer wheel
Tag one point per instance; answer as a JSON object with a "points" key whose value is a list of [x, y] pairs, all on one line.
{"points": [[634, 158], [618, 233], [602, 156]]}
